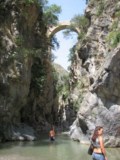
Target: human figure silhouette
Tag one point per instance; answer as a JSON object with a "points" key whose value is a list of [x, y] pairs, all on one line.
{"points": [[52, 134]]}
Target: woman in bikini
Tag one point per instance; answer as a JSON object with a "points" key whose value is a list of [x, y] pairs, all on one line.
{"points": [[99, 152]]}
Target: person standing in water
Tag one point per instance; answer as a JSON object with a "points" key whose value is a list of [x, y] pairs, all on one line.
{"points": [[99, 152], [52, 134]]}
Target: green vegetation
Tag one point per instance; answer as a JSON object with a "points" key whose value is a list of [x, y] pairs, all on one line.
{"points": [[100, 8], [28, 2], [113, 38], [38, 77], [63, 89], [54, 43], [91, 2], [72, 54], [99, 5], [51, 14], [80, 22], [50, 18], [77, 103], [114, 25], [61, 79], [19, 40], [25, 52], [117, 14]]}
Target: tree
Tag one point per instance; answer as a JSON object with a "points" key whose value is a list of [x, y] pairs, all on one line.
{"points": [[78, 21], [51, 14]]}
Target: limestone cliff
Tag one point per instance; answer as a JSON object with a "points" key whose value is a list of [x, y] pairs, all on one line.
{"points": [[98, 69], [27, 95]]}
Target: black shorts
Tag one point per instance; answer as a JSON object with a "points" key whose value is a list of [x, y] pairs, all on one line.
{"points": [[52, 138]]}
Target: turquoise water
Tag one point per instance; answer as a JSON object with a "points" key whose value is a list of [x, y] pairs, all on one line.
{"points": [[62, 149]]}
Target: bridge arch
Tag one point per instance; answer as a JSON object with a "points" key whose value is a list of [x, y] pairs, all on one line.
{"points": [[61, 26]]}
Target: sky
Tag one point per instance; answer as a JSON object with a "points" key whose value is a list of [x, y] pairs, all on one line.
{"points": [[69, 8]]}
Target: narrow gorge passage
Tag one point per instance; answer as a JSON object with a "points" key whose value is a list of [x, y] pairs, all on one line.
{"points": [[36, 93]]}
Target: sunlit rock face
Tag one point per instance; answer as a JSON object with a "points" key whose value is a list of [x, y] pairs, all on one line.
{"points": [[101, 106], [100, 62]]}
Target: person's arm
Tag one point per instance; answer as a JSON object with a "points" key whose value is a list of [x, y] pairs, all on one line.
{"points": [[102, 146]]}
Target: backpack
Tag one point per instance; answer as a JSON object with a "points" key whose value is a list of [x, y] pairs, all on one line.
{"points": [[90, 149]]}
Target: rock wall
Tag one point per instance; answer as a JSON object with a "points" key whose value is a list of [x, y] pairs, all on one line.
{"points": [[99, 61], [23, 43]]}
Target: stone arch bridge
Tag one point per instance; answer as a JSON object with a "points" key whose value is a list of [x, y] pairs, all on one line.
{"points": [[60, 26]]}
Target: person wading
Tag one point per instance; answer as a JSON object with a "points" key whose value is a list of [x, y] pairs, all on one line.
{"points": [[52, 134]]}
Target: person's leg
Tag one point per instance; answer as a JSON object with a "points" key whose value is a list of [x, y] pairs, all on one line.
{"points": [[52, 138]]}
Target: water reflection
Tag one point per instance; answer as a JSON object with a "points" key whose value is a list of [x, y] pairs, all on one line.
{"points": [[61, 149]]}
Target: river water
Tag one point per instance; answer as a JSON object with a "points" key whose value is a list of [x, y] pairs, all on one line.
{"points": [[62, 149]]}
